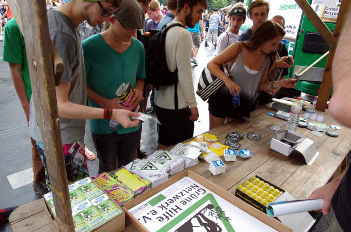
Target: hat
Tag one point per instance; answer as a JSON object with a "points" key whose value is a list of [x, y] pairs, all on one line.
{"points": [[130, 15], [238, 10]]}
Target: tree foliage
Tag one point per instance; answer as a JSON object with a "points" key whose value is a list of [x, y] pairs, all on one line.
{"points": [[219, 4]]}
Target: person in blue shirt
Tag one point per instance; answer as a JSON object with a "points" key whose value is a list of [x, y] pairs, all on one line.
{"points": [[172, 7], [197, 37]]}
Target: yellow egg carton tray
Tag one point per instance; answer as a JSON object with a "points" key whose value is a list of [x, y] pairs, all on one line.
{"points": [[258, 192]]}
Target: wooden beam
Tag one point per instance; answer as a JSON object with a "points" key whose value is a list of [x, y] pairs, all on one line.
{"points": [[39, 48], [318, 23], [326, 84]]}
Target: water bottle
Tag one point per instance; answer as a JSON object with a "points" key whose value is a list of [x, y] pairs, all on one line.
{"points": [[294, 115], [236, 99]]}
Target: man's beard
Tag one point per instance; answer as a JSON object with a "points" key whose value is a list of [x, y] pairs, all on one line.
{"points": [[189, 19]]}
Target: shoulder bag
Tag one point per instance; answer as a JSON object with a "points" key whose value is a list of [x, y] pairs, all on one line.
{"points": [[209, 84]]}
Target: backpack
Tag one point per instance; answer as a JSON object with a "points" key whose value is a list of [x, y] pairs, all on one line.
{"points": [[156, 68], [157, 72]]}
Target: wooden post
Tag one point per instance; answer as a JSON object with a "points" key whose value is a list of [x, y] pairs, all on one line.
{"points": [[43, 59], [327, 76]]}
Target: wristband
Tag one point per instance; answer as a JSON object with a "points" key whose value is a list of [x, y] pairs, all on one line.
{"points": [[105, 113]]}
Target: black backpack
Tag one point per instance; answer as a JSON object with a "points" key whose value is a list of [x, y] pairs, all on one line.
{"points": [[157, 71], [156, 68]]}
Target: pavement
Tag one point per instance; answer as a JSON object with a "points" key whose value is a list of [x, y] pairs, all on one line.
{"points": [[15, 166]]}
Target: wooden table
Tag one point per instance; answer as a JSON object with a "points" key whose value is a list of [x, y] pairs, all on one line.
{"points": [[290, 173]]}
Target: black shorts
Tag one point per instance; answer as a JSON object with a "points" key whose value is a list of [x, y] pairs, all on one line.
{"points": [[175, 126], [220, 105]]}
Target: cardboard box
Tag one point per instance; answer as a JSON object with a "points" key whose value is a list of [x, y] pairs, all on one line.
{"points": [[275, 224], [286, 142]]}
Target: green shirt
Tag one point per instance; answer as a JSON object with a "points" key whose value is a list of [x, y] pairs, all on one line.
{"points": [[106, 69], [15, 51]]}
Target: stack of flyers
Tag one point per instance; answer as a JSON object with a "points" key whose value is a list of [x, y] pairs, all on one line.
{"points": [[208, 157], [217, 148], [118, 192], [90, 190], [217, 167], [106, 207], [91, 208], [79, 225], [92, 216], [104, 180], [131, 181], [190, 154], [175, 163], [76, 196], [156, 178], [230, 155], [209, 138]]}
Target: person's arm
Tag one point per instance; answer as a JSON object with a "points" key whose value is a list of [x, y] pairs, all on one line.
{"points": [[103, 102], [184, 44], [340, 104], [17, 79], [223, 58], [326, 193], [67, 109], [138, 92]]}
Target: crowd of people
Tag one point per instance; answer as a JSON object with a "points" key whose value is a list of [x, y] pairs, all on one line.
{"points": [[95, 68]]}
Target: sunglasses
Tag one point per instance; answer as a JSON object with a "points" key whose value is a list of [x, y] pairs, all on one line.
{"points": [[105, 13]]}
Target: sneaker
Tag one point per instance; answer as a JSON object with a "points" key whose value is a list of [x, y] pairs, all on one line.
{"points": [[206, 44], [150, 110], [193, 60], [5, 214], [41, 188]]}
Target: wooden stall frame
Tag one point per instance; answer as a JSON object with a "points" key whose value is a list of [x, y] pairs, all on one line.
{"points": [[45, 64], [331, 40]]}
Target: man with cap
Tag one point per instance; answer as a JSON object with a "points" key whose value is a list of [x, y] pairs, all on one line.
{"points": [[177, 125], [112, 58], [237, 17], [71, 93]]}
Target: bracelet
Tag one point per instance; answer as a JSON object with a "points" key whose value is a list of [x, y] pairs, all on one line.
{"points": [[107, 113]]}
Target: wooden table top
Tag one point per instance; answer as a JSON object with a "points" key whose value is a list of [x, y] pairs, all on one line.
{"points": [[290, 173]]}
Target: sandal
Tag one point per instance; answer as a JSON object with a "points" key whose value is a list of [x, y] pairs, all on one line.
{"points": [[89, 154]]}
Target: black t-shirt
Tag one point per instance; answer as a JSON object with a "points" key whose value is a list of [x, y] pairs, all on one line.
{"points": [[341, 202], [246, 35]]}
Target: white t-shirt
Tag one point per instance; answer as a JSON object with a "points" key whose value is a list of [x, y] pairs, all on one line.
{"points": [[178, 46], [225, 40]]}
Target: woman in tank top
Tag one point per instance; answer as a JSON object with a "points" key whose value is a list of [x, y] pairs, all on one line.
{"points": [[249, 73]]}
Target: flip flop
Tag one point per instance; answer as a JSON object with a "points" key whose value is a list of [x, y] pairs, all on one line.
{"points": [[89, 154]]}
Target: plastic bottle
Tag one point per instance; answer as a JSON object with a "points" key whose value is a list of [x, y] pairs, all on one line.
{"points": [[294, 115], [236, 99]]}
